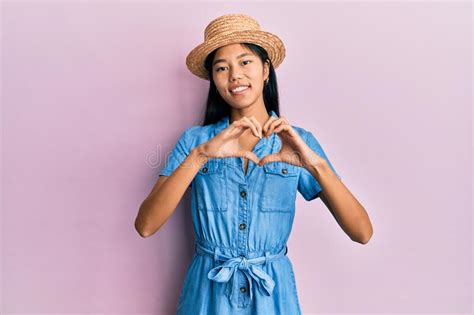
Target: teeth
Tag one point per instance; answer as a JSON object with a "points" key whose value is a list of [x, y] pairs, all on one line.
{"points": [[240, 88]]}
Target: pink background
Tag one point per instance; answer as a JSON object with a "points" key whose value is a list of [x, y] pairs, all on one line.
{"points": [[94, 95]]}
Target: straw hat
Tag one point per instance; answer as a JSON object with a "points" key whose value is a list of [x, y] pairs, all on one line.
{"points": [[231, 29]]}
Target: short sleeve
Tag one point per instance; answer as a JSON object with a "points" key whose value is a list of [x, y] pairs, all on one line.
{"points": [[308, 186], [177, 155]]}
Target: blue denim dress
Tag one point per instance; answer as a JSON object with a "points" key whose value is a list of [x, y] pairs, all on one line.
{"points": [[242, 222]]}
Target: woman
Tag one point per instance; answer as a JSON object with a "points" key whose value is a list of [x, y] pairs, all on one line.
{"points": [[243, 210]]}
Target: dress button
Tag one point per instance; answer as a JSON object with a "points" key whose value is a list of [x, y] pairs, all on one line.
{"points": [[243, 289], [242, 226], [204, 170], [284, 171], [243, 194]]}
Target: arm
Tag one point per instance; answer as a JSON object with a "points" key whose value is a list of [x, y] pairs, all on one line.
{"points": [[183, 166], [167, 193], [346, 209]]}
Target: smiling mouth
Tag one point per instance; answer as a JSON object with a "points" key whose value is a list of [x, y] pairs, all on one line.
{"points": [[240, 90]]}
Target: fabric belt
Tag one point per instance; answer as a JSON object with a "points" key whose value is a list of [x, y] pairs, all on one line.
{"points": [[226, 271]]}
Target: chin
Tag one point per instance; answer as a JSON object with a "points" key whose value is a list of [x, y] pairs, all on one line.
{"points": [[240, 105]]}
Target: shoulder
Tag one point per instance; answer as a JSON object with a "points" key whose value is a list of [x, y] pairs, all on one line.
{"points": [[302, 132], [197, 134], [309, 137], [192, 131], [199, 131]]}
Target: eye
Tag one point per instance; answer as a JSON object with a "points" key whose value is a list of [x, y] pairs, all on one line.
{"points": [[219, 69]]}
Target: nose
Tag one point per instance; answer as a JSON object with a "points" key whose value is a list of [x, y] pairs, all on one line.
{"points": [[235, 74]]}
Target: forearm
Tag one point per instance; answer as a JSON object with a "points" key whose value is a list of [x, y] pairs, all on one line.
{"points": [[160, 205], [347, 210]]}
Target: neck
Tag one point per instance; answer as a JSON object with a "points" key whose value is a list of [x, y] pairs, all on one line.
{"points": [[259, 112]]}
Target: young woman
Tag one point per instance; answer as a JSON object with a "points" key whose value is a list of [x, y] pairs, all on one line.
{"points": [[244, 165]]}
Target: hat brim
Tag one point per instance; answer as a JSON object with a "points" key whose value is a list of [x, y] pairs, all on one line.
{"points": [[270, 42]]}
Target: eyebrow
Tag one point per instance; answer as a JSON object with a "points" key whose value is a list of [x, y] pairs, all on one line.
{"points": [[223, 60]]}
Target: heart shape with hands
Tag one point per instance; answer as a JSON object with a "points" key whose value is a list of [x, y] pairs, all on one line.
{"points": [[293, 149]]}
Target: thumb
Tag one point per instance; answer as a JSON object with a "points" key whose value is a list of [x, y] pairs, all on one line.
{"points": [[249, 155], [275, 157]]}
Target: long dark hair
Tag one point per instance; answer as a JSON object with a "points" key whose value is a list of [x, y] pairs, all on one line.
{"points": [[217, 107]]}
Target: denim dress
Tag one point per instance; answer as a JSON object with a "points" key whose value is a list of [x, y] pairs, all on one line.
{"points": [[242, 222]]}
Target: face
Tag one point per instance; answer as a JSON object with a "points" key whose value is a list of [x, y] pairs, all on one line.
{"points": [[235, 65]]}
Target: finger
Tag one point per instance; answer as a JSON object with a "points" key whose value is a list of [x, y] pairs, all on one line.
{"points": [[257, 124], [243, 125], [283, 126], [275, 157], [252, 126], [268, 122], [285, 120], [239, 128], [273, 125], [286, 123]]}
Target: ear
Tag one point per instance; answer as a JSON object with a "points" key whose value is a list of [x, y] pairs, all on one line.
{"points": [[266, 69]]}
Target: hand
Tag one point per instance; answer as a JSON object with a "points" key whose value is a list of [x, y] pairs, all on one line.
{"points": [[293, 149], [226, 143]]}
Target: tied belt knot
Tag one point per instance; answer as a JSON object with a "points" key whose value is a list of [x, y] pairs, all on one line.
{"points": [[244, 264], [226, 271]]}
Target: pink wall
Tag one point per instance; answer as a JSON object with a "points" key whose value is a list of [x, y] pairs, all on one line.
{"points": [[94, 94]]}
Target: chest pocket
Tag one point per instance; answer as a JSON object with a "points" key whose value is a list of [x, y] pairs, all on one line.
{"points": [[279, 190], [211, 186]]}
